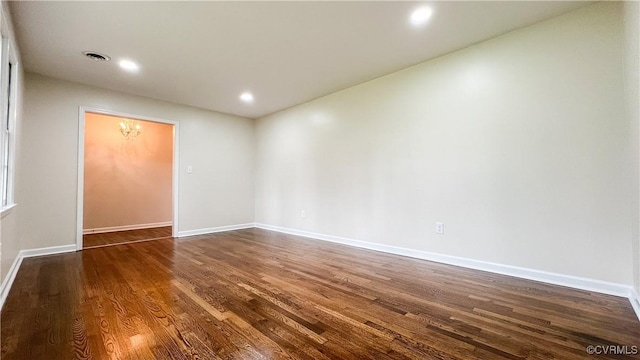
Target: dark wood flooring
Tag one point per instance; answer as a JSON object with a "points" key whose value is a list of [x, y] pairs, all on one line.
{"points": [[121, 237], [255, 294]]}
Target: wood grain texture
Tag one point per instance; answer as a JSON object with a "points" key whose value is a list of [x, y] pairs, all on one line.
{"points": [[255, 294], [122, 237]]}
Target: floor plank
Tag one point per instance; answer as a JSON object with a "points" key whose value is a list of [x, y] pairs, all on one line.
{"points": [[256, 294], [121, 237]]}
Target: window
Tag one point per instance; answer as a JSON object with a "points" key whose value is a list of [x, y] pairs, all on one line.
{"points": [[8, 101], [6, 149]]}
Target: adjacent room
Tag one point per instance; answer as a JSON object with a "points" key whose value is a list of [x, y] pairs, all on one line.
{"points": [[320, 180], [127, 185]]}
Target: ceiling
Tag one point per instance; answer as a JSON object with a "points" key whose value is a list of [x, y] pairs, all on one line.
{"points": [[205, 54]]}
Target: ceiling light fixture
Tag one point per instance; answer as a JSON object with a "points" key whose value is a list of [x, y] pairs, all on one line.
{"points": [[129, 129], [129, 65], [421, 15], [246, 97]]}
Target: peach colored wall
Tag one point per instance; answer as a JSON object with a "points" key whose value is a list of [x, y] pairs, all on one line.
{"points": [[126, 182]]}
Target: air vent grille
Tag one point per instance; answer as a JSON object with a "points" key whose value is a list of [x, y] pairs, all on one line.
{"points": [[96, 56]]}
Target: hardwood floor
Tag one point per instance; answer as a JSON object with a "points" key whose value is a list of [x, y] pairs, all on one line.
{"points": [[255, 294], [121, 237]]}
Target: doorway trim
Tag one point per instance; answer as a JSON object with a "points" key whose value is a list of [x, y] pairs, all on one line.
{"points": [[82, 110]]}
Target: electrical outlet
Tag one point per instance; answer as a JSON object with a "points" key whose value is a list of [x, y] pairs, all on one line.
{"points": [[439, 228], [303, 214]]}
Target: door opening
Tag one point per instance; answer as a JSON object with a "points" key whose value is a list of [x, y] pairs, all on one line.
{"points": [[127, 181]]}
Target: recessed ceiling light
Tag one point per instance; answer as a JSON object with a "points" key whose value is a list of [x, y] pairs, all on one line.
{"points": [[129, 65], [421, 15], [246, 97]]}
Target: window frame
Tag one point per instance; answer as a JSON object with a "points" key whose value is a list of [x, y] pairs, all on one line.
{"points": [[8, 101]]}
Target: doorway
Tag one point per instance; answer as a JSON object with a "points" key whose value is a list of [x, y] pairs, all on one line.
{"points": [[127, 179]]}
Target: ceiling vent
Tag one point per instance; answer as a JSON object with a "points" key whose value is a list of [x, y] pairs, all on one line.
{"points": [[96, 56]]}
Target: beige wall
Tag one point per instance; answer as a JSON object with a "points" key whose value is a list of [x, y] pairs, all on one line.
{"points": [[632, 92], [10, 234], [126, 182], [517, 144], [219, 147]]}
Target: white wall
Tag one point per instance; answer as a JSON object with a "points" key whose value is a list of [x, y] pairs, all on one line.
{"points": [[517, 144], [9, 230], [219, 147], [632, 97]]}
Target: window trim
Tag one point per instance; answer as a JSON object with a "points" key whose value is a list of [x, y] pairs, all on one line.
{"points": [[8, 101]]}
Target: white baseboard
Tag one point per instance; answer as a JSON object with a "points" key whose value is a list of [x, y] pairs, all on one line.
{"points": [[47, 251], [23, 254], [125, 227], [9, 278], [215, 229], [524, 273], [634, 299]]}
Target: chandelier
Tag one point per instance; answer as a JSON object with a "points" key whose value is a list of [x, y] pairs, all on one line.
{"points": [[128, 129]]}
